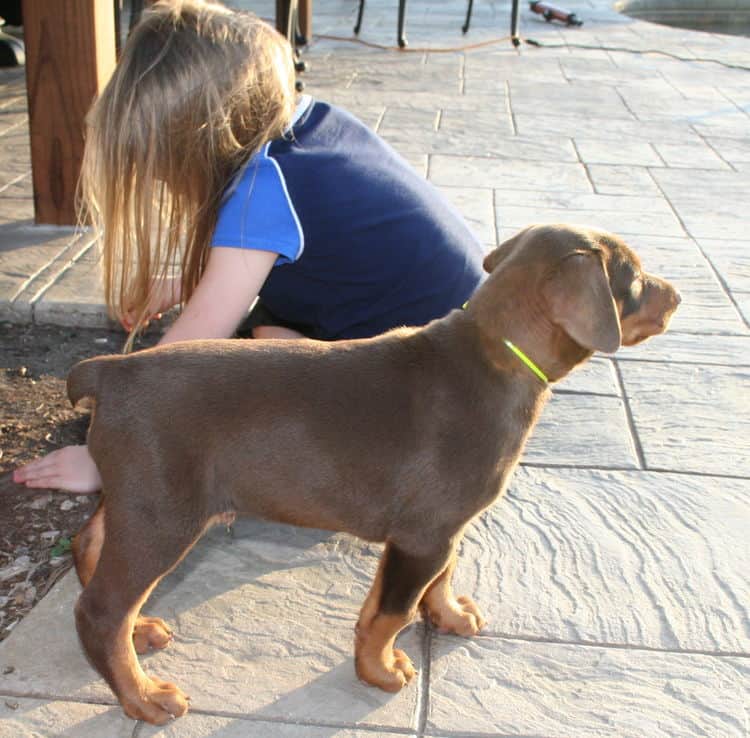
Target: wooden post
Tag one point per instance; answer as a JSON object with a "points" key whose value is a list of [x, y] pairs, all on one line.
{"points": [[70, 54]]}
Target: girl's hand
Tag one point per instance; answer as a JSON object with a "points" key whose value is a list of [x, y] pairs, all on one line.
{"points": [[163, 299], [70, 468], [128, 320]]}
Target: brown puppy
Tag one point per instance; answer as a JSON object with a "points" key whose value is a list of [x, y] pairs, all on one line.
{"points": [[402, 438]]}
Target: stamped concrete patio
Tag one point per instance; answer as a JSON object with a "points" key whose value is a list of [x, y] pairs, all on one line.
{"points": [[616, 573]]}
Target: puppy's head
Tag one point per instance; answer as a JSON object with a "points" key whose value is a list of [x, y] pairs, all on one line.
{"points": [[586, 282]]}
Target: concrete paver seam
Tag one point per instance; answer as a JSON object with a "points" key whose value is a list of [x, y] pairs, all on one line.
{"points": [[584, 164], [32, 695], [88, 245], [630, 418], [423, 685], [379, 121], [13, 126], [714, 149], [695, 334], [576, 392], [609, 645], [438, 120], [509, 108], [669, 202], [13, 101], [33, 277], [625, 104], [701, 362], [655, 149], [273, 720], [630, 469], [730, 100], [15, 180], [724, 285]]}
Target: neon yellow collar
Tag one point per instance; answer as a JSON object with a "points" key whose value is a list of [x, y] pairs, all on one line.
{"points": [[526, 360], [522, 356]]}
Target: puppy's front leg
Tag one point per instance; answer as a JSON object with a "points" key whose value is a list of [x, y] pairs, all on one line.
{"points": [[448, 613], [390, 606]]}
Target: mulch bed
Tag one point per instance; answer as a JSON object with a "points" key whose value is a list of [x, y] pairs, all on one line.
{"points": [[36, 526]]}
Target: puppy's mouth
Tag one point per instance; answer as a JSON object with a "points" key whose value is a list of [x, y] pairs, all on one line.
{"points": [[637, 338], [646, 330], [657, 307]]}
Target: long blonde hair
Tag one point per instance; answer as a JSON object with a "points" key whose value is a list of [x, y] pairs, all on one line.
{"points": [[199, 89]]}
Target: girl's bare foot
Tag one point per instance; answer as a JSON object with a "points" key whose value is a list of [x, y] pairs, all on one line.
{"points": [[70, 468]]}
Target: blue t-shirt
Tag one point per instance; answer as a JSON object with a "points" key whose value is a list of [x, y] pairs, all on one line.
{"points": [[365, 244]]}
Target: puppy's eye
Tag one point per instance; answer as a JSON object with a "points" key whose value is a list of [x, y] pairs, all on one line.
{"points": [[633, 297], [636, 289]]}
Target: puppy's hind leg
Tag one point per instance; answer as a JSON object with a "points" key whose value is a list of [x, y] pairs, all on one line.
{"points": [[107, 610], [87, 545], [390, 606], [448, 613], [148, 632]]}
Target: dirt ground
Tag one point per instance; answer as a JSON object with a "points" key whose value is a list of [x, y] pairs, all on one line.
{"points": [[36, 526]]}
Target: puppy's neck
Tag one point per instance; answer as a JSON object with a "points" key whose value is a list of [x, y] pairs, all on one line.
{"points": [[516, 319]]}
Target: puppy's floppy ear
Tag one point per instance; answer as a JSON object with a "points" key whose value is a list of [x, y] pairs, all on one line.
{"points": [[493, 259], [497, 255], [580, 301]]}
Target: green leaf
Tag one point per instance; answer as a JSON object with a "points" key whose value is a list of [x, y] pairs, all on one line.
{"points": [[61, 547]]}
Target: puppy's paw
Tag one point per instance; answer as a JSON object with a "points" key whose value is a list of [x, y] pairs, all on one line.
{"points": [[150, 633], [460, 616], [390, 674], [158, 702]]}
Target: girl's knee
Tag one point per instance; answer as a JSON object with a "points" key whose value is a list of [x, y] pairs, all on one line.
{"points": [[275, 331]]}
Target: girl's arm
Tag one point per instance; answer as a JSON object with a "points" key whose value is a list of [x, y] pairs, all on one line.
{"points": [[231, 281]]}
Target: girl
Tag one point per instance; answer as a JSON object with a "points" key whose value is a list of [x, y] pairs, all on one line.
{"points": [[212, 184]]}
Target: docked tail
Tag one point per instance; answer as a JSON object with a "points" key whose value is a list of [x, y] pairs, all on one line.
{"points": [[83, 380]]}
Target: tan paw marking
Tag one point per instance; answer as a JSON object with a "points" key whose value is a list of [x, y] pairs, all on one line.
{"points": [[391, 674], [461, 616], [158, 702], [150, 633]]}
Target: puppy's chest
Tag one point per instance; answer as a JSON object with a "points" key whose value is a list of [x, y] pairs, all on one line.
{"points": [[503, 419], [486, 439]]}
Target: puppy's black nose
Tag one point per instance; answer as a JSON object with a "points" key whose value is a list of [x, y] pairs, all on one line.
{"points": [[677, 297]]}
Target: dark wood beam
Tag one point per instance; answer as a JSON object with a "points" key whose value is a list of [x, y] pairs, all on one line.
{"points": [[70, 54]]}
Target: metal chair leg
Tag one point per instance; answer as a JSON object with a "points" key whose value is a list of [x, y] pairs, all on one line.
{"points": [[401, 15], [514, 24], [360, 12], [465, 27], [291, 24], [292, 35]]}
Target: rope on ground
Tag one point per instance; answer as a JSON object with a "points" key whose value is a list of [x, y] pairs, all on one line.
{"points": [[529, 42], [412, 49], [538, 44]]}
